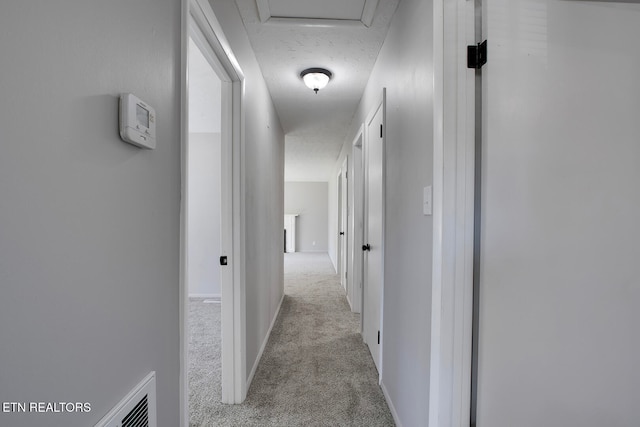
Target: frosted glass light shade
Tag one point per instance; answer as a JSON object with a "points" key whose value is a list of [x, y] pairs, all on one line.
{"points": [[316, 78]]}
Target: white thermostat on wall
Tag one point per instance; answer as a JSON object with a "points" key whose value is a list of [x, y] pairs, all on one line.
{"points": [[137, 121]]}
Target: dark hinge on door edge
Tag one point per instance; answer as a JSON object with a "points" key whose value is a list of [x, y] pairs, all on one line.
{"points": [[477, 55], [380, 131], [378, 337]]}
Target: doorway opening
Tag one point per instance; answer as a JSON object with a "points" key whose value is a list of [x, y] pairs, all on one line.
{"points": [[343, 225], [203, 227], [212, 214]]}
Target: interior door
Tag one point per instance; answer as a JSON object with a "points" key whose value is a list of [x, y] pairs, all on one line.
{"points": [[558, 316], [344, 230], [373, 247]]}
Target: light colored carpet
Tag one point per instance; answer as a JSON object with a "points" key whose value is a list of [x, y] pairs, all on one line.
{"points": [[315, 371], [205, 378]]}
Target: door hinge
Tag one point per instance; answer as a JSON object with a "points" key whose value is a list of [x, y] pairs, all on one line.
{"points": [[223, 260], [380, 131], [477, 55], [378, 337]]}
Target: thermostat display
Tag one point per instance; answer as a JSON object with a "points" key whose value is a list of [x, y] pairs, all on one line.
{"points": [[137, 122]]}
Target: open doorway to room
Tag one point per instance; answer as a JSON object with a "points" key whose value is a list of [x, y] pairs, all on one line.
{"points": [[342, 244], [306, 223], [212, 314], [203, 228]]}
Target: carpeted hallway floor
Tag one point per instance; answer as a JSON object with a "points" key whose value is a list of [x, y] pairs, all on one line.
{"points": [[315, 370]]}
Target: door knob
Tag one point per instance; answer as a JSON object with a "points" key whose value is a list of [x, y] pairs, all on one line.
{"points": [[366, 247]]}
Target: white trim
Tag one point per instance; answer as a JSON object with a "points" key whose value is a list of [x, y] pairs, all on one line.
{"points": [[343, 222], [264, 11], [338, 264], [315, 23], [453, 184], [264, 343], [438, 185], [392, 408], [212, 296], [366, 19], [199, 22], [239, 250], [369, 11], [183, 310], [356, 235]]}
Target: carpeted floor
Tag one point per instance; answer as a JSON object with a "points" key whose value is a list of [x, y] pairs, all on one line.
{"points": [[315, 370]]}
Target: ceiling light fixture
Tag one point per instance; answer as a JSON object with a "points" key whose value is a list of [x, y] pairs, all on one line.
{"points": [[316, 78]]}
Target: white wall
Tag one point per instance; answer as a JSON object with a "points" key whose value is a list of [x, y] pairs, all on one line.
{"points": [[559, 299], [203, 225], [264, 184], [405, 68], [309, 200], [89, 225]]}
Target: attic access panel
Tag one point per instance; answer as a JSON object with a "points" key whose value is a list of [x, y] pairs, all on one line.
{"points": [[356, 11]]}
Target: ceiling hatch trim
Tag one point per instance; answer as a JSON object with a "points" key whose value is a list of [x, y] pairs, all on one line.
{"points": [[307, 13]]}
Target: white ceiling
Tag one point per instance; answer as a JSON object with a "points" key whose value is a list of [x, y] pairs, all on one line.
{"points": [[289, 36]]}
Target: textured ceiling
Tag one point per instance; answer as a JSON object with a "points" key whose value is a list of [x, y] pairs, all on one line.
{"points": [[315, 125]]}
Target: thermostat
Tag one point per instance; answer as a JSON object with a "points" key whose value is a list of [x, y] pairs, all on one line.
{"points": [[137, 121]]}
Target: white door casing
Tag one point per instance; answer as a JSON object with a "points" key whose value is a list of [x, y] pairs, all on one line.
{"points": [[356, 224], [344, 222], [453, 215], [338, 237]]}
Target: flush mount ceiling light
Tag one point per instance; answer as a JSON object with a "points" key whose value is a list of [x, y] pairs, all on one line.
{"points": [[316, 78]]}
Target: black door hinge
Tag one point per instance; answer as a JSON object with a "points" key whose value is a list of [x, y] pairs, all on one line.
{"points": [[223, 260], [477, 55], [378, 337], [380, 131]]}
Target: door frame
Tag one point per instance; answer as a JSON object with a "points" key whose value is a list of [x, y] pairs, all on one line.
{"points": [[343, 214], [379, 104], [339, 226], [453, 215], [356, 215], [199, 21]]}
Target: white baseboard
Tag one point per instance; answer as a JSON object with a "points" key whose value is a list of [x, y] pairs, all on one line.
{"points": [[392, 408], [264, 344], [212, 296]]}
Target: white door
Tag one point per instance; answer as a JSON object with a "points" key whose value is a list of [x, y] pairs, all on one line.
{"points": [[344, 223], [559, 290], [373, 244]]}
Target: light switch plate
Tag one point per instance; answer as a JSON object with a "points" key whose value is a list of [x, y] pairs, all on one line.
{"points": [[427, 198]]}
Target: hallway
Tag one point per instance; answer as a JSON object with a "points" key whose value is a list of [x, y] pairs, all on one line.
{"points": [[315, 370]]}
